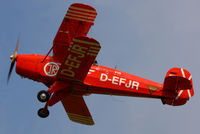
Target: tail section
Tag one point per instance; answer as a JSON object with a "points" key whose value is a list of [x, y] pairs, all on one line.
{"points": [[179, 81]]}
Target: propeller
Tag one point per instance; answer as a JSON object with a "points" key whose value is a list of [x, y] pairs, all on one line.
{"points": [[13, 59]]}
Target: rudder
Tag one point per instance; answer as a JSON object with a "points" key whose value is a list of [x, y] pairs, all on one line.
{"points": [[179, 81]]}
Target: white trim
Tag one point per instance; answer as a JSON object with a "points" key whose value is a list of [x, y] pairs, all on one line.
{"points": [[182, 71], [190, 77], [189, 94], [82, 9], [179, 94], [92, 70]]}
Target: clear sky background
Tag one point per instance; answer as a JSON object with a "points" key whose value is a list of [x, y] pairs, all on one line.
{"points": [[142, 37]]}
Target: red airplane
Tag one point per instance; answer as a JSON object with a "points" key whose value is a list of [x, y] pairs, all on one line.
{"points": [[72, 71]]}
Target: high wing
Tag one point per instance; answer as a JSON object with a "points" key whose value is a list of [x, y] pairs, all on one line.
{"points": [[78, 59], [77, 110], [77, 22]]}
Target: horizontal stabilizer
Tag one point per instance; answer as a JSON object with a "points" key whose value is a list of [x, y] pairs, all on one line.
{"points": [[177, 83]]}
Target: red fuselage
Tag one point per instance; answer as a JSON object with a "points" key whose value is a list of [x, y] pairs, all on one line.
{"points": [[99, 80]]}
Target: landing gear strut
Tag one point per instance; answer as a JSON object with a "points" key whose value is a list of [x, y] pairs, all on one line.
{"points": [[43, 96]]}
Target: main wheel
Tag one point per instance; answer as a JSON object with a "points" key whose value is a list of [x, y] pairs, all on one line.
{"points": [[43, 96], [43, 113]]}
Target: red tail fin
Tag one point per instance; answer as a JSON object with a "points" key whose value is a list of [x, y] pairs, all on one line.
{"points": [[179, 81]]}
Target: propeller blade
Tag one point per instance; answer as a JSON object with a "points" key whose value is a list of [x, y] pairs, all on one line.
{"points": [[17, 46], [10, 71], [13, 60]]}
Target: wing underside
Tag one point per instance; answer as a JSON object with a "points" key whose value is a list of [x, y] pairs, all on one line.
{"points": [[77, 110], [77, 22], [80, 56]]}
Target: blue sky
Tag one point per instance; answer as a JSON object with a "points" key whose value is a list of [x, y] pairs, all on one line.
{"points": [[142, 37]]}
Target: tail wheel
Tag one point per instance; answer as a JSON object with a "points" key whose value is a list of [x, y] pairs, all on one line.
{"points": [[43, 96], [43, 113]]}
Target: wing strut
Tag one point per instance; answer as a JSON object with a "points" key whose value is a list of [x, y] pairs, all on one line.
{"points": [[47, 54]]}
